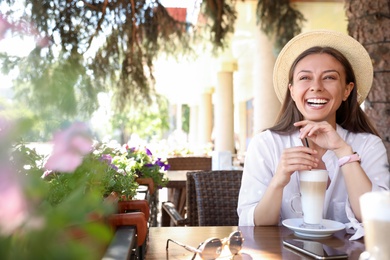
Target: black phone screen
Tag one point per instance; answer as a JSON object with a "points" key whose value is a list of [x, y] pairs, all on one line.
{"points": [[315, 249]]}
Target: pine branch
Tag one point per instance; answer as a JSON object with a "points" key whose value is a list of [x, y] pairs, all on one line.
{"points": [[279, 21]]}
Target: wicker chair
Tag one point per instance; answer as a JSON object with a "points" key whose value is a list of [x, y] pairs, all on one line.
{"points": [[171, 210], [177, 195], [212, 198]]}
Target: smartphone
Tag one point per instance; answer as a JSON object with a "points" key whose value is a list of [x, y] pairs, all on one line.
{"points": [[315, 249]]}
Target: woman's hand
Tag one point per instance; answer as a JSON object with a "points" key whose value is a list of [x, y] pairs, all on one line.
{"points": [[322, 134], [267, 211], [294, 159]]}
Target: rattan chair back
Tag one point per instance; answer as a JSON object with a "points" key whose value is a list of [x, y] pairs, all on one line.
{"points": [[191, 206], [214, 202]]}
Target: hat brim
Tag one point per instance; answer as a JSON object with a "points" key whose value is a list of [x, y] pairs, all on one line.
{"points": [[356, 54]]}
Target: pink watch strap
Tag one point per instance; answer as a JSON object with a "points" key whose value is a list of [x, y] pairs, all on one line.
{"points": [[348, 159]]}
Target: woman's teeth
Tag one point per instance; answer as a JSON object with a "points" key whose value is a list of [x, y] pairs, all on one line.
{"points": [[316, 102]]}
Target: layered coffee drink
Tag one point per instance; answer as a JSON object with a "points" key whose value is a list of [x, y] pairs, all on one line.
{"points": [[312, 200], [313, 187], [376, 238], [375, 207]]}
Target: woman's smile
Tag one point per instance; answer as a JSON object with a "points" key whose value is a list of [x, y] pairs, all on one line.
{"points": [[316, 102]]}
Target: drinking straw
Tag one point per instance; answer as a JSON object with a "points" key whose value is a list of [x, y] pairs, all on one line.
{"points": [[306, 142]]}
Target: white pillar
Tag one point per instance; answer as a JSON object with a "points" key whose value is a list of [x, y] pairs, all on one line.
{"points": [[179, 121], [205, 118], [193, 131], [242, 130], [224, 109], [265, 103]]}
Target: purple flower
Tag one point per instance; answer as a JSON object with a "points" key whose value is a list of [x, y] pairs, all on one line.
{"points": [[149, 165], [166, 167], [106, 158], [162, 164], [115, 168], [148, 152], [159, 162]]}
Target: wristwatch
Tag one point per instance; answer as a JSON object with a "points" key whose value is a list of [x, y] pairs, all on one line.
{"points": [[349, 158]]}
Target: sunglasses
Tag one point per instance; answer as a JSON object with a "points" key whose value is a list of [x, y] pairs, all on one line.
{"points": [[212, 247]]}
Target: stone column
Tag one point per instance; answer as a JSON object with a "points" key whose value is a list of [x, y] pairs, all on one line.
{"points": [[193, 131], [242, 131], [224, 108], [265, 103], [179, 120], [205, 119]]}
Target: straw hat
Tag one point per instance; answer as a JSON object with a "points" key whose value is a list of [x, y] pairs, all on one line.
{"points": [[348, 46]]}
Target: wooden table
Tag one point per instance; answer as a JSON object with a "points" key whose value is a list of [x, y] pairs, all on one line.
{"points": [[177, 179], [260, 242], [176, 193]]}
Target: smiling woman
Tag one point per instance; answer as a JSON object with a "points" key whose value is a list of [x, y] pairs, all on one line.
{"points": [[321, 77]]}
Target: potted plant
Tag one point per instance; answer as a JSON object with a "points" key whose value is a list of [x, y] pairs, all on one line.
{"points": [[145, 165], [41, 219], [75, 161]]}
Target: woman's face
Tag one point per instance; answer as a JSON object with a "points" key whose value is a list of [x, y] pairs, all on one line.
{"points": [[319, 87]]}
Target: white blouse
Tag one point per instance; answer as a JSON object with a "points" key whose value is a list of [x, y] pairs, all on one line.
{"points": [[262, 158]]}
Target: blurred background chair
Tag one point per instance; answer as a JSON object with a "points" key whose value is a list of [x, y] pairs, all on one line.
{"points": [[212, 198], [191, 163], [176, 187]]}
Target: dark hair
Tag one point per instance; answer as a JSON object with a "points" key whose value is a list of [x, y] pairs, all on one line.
{"points": [[349, 115]]}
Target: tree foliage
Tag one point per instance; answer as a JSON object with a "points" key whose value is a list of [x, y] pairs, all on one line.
{"points": [[84, 47], [89, 46], [148, 122], [279, 21]]}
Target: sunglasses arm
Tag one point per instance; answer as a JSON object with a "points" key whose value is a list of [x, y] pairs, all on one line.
{"points": [[189, 248]]}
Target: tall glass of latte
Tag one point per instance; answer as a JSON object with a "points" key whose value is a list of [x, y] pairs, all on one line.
{"points": [[313, 187], [375, 208]]}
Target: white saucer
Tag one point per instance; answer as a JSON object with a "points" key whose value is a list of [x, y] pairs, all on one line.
{"points": [[330, 228]]}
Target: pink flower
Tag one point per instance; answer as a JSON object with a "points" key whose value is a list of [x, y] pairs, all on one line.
{"points": [[70, 146], [14, 208]]}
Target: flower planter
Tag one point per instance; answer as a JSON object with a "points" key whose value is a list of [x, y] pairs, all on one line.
{"points": [[130, 213], [136, 219], [147, 181]]}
